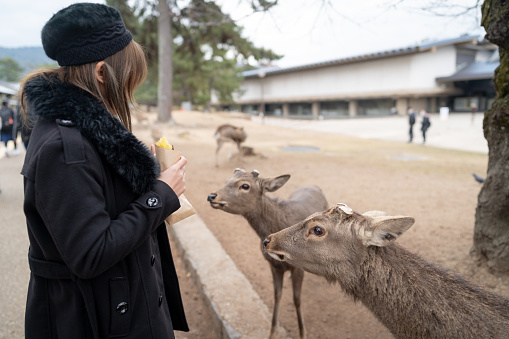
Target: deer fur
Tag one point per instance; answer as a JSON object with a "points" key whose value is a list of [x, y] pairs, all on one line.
{"points": [[229, 133], [410, 296], [245, 194]]}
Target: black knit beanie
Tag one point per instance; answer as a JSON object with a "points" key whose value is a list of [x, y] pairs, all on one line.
{"points": [[84, 33]]}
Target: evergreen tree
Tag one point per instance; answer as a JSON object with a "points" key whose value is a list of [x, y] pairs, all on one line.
{"points": [[10, 70], [208, 51]]}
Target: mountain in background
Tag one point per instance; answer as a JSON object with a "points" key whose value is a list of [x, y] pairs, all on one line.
{"points": [[27, 57]]}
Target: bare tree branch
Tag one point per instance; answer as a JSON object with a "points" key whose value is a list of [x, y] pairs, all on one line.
{"points": [[442, 8]]}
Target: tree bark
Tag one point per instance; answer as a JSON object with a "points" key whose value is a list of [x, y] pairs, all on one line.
{"points": [[164, 91], [491, 232]]}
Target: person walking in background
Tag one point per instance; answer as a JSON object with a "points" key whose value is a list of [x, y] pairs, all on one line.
{"points": [[8, 125], [95, 199], [425, 124], [473, 107], [411, 121]]}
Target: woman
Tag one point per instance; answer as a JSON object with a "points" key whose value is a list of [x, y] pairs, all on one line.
{"points": [[95, 200]]}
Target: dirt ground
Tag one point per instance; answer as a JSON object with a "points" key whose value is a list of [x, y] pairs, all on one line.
{"points": [[433, 185]]}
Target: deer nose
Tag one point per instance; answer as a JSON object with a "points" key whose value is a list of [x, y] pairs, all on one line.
{"points": [[211, 197], [265, 242]]}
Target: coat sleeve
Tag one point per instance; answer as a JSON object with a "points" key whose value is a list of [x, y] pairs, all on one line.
{"points": [[72, 204]]}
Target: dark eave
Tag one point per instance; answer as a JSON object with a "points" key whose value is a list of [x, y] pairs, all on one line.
{"points": [[473, 71]]}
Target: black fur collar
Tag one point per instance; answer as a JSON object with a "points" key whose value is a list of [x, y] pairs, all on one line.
{"points": [[52, 99]]}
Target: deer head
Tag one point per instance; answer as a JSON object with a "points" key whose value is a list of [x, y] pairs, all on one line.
{"points": [[240, 134], [243, 191], [335, 239]]}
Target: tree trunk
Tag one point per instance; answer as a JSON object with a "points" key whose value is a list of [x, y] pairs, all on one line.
{"points": [[491, 232], [164, 92]]}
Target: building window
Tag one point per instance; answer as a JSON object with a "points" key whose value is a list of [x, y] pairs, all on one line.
{"points": [[461, 104], [250, 109], [274, 110], [301, 110], [333, 109], [375, 107]]}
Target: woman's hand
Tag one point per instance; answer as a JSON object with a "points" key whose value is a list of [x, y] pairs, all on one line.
{"points": [[175, 175]]}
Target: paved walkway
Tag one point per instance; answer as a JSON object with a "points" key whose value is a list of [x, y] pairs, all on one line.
{"points": [[457, 132], [13, 248]]}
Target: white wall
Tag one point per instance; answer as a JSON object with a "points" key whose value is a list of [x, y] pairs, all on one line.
{"points": [[390, 77]]}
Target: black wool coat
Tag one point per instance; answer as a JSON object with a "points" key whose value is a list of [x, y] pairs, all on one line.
{"points": [[100, 259]]}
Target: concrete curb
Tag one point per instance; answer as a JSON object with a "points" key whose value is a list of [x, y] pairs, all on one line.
{"points": [[238, 310]]}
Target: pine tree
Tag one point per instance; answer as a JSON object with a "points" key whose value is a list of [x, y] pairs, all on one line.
{"points": [[207, 52]]}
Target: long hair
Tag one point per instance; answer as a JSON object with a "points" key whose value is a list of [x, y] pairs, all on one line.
{"points": [[123, 72]]}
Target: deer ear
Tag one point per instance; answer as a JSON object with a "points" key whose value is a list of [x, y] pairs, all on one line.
{"points": [[239, 170], [273, 184], [382, 230]]}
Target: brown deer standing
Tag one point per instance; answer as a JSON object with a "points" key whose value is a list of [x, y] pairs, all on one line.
{"points": [[244, 194], [411, 297], [225, 133]]}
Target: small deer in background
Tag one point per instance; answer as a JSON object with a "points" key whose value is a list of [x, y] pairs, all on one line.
{"points": [[229, 133], [411, 297], [245, 193]]}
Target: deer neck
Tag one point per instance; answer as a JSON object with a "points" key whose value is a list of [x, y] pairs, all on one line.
{"points": [[266, 218], [402, 289]]}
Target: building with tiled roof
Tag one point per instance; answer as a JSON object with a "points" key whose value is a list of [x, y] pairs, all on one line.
{"points": [[452, 73]]}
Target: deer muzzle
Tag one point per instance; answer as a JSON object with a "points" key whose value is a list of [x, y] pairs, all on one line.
{"points": [[211, 197], [266, 244], [212, 200]]}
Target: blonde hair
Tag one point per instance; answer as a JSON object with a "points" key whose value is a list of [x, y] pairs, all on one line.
{"points": [[122, 72]]}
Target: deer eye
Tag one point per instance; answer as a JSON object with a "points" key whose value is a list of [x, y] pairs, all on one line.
{"points": [[389, 236], [245, 187], [318, 231]]}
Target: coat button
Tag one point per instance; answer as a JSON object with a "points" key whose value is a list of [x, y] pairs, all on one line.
{"points": [[122, 308], [64, 122], [153, 260], [160, 300], [152, 202]]}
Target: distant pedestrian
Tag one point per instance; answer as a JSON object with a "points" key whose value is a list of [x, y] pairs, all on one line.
{"points": [[411, 121], [473, 107], [7, 131], [425, 125]]}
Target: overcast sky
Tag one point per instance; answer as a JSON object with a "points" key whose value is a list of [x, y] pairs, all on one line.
{"points": [[304, 31]]}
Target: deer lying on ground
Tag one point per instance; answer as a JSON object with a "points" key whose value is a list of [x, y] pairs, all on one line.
{"points": [[229, 133], [411, 297], [244, 194]]}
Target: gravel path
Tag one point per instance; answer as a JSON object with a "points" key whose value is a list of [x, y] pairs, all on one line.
{"points": [[13, 249]]}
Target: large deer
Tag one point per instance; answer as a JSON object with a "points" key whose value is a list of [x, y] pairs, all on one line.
{"points": [[410, 296], [245, 193], [229, 133]]}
